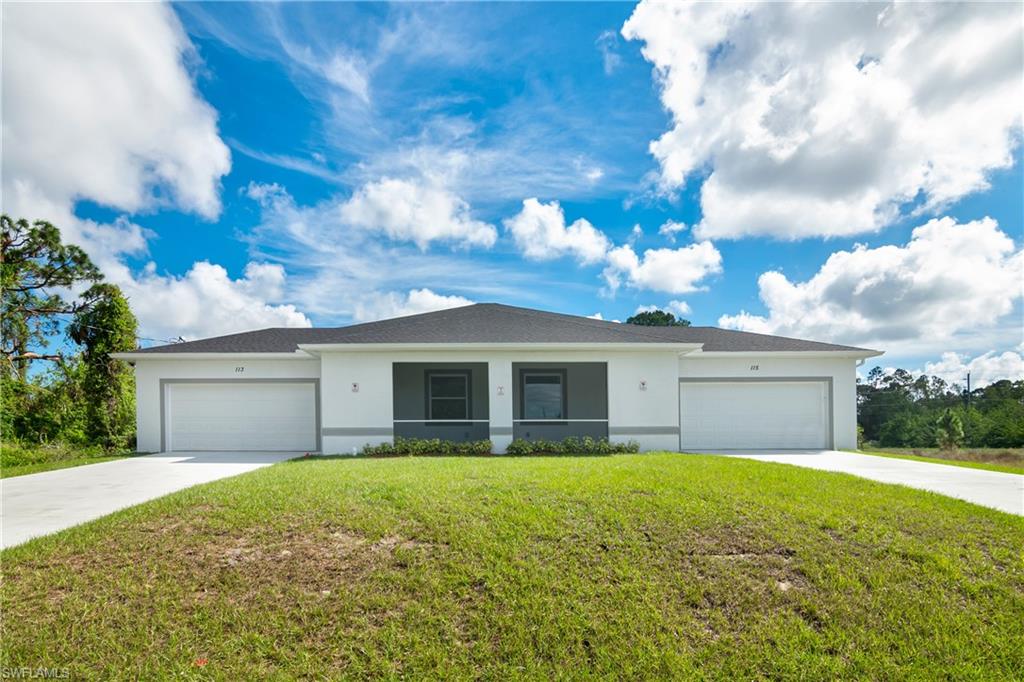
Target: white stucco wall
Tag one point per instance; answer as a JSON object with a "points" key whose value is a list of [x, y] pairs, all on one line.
{"points": [[148, 374], [841, 370], [351, 419]]}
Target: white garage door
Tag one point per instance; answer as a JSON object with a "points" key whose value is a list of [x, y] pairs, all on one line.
{"points": [[753, 415], [241, 416]]}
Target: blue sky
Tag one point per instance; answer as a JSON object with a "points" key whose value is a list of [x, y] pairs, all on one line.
{"points": [[327, 163]]}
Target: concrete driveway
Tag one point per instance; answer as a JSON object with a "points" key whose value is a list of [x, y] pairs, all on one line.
{"points": [[994, 489], [38, 504]]}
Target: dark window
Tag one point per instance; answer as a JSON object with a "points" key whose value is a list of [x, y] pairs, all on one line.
{"points": [[544, 395], [448, 395]]}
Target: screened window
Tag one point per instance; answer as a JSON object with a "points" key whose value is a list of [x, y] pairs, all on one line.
{"points": [[543, 395], [448, 395]]}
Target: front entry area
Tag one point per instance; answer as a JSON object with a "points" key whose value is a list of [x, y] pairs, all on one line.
{"points": [[754, 415], [260, 416]]}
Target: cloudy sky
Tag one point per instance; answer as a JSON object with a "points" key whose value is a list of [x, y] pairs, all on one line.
{"points": [[840, 172]]}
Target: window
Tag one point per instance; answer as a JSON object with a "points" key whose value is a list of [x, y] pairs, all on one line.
{"points": [[448, 395], [543, 395]]}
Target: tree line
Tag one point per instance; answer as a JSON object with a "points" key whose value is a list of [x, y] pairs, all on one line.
{"points": [[897, 409], [59, 323]]}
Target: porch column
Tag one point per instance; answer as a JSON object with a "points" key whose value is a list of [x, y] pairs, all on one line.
{"points": [[499, 380]]}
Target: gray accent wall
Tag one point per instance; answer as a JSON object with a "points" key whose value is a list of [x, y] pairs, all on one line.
{"points": [[586, 391], [410, 402]]}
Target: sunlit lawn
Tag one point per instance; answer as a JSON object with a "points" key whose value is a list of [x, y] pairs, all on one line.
{"points": [[640, 566]]}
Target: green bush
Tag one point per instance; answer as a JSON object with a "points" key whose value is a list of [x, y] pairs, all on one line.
{"points": [[435, 447], [571, 446], [20, 454], [428, 447]]}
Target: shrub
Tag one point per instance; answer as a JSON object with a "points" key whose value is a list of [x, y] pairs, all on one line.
{"points": [[435, 447], [571, 446], [427, 447]]}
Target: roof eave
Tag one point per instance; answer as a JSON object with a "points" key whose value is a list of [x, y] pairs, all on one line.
{"points": [[206, 355], [845, 353], [317, 348]]}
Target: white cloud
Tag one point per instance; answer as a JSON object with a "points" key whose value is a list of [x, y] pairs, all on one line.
{"points": [[680, 308], [587, 169], [379, 306], [985, 369], [348, 73], [607, 43], [540, 232], [675, 271], [671, 228], [205, 301], [599, 316], [337, 271], [827, 118], [99, 105], [947, 280], [416, 211]]}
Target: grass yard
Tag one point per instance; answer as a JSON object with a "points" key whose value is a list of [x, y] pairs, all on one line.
{"points": [[18, 459], [1010, 460], [636, 566]]}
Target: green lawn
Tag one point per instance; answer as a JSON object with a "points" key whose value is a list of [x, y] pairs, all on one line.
{"points": [[636, 566], [1009, 460], [18, 459]]}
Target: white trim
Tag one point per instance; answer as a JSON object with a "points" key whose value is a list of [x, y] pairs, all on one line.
{"points": [[135, 357], [787, 354], [316, 348]]}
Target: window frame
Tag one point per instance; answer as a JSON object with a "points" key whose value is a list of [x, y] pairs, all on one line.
{"points": [[563, 376], [466, 375]]}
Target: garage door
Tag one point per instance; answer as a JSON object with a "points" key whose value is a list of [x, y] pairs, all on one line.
{"points": [[241, 416], [754, 415]]}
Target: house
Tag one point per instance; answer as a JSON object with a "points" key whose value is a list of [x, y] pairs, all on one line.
{"points": [[499, 372]]}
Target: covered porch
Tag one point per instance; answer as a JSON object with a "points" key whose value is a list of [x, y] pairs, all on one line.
{"points": [[531, 400]]}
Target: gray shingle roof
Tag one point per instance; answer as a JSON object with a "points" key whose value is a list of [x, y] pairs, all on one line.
{"points": [[492, 323]]}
